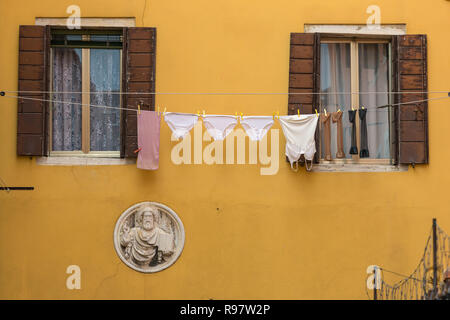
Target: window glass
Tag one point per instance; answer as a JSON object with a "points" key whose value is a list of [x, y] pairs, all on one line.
{"points": [[105, 122], [73, 37], [66, 117], [374, 78], [90, 63], [105, 37], [335, 76], [369, 76]]}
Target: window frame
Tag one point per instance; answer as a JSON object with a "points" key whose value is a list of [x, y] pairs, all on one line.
{"points": [[138, 77], [85, 100], [354, 40]]}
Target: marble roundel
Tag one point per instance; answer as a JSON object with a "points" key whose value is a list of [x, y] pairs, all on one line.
{"points": [[149, 237]]}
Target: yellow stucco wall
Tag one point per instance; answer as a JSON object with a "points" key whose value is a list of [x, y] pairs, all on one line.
{"points": [[285, 236]]}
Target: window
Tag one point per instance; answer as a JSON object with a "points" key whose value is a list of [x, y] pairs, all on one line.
{"points": [[89, 64], [97, 63], [357, 66], [390, 65]]}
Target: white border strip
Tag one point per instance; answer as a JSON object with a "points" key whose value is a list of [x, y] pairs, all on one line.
{"points": [[82, 161], [359, 168], [384, 29], [89, 22]]}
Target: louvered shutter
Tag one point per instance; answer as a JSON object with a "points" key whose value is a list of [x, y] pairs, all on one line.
{"points": [[410, 75], [31, 114], [139, 54], [304, 75]]}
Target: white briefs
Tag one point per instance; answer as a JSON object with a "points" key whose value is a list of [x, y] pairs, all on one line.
{"points": [[256, 126], [180, 123], [299, 133], [219, 126]]}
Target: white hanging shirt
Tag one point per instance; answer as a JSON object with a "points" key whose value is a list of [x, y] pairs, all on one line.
{"points": [[299, 132]]}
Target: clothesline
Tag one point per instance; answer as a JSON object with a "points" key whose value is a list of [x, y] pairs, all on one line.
{"points": [[298, 131], [136, 110], [229, 93]]}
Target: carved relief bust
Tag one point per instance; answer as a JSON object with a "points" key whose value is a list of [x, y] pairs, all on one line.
{"points": [[149, 237]]}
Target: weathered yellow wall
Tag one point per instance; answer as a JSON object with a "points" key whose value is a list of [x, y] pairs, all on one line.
{"points": [[286, 236]]}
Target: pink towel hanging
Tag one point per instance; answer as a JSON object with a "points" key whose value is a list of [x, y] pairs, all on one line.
{"points": [[149, 124]]}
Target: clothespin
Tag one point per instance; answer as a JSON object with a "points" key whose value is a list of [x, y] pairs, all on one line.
{"points": [[273, 115], [203, 112], [198, 113], [158, 110], [316, 112], [164, 111], [139, 108], [278, 114], [298, 112], [353, 109], [325, 109], [362, 107], [241, 115], [137, 150], [339, 110]]}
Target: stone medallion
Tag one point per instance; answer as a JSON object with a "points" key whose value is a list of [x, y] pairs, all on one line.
{"points": [[149, 237]]}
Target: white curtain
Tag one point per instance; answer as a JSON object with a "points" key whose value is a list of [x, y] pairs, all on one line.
{"points": [[66, 118], [335, 76], [105, 122], [373, 77]]}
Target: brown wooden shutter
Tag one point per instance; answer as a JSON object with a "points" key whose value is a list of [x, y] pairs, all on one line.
{"points": [[139, 54], [31, 116], [410, 74], [304, 75]]}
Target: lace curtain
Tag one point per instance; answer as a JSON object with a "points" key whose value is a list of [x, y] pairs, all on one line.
{"points": [[104, 70], [105, 122], [66, 117]]}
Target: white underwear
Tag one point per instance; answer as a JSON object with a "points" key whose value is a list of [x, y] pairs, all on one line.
{"points": [[299, 133], [180, 123], [256, 126], [219, 126]]}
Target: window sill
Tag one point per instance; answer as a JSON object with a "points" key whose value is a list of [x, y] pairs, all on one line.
{"points": [[322, 167], [82, 161]]}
